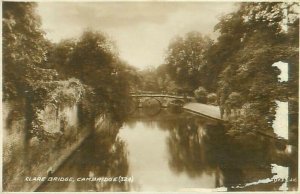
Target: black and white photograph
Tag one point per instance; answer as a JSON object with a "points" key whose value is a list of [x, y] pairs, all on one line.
{"points": [[150, 96]]}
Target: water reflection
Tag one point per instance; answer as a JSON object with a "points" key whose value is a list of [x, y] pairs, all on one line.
{"points": [[179, 152], [199, 149], [103, 154]]}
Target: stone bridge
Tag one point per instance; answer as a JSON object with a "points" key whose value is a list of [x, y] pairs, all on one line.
{"points": [[163, 100]]}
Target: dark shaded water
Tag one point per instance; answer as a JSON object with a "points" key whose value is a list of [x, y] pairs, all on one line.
{"points": [[176, 152]]}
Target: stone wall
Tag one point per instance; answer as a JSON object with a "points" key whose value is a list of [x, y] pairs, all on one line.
{"points": [[31, 157]]}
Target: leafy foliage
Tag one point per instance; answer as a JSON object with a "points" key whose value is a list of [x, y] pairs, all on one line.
{"points": [[239, 65], [56, 93], [235, 100], [24, 59], [59, 74], [246, 72], [212, 98], [186, 59], [24, 49], [59, 93], [201, 94], [157, 80], [93, 59]]}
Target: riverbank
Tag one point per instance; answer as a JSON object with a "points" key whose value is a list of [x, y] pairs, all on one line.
{"points": [[213, 112]]}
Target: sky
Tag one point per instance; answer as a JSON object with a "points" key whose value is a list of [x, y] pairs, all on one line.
{"points": [[142, 31]]}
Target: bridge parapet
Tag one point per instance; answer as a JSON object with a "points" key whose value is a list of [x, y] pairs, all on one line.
{"points": [[163, 99]]}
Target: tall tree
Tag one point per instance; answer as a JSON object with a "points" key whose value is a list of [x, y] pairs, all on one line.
{"points": [[186, 58], [259, 39], [94, 60], [24, 48]]}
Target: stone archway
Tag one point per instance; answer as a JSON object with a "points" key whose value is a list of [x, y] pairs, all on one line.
{"points": [[151, 106]]}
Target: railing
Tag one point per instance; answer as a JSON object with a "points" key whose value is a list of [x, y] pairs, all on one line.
{"points": [[148, 94]]}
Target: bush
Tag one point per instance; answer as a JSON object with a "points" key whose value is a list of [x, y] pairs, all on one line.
{"points": [[235, 100], [212, 98], [201, 94]]}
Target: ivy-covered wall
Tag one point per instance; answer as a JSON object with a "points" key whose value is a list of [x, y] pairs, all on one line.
{"points": [[32, 157]]}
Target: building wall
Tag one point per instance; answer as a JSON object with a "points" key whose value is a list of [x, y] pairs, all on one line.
{"points": [[31, 157]]}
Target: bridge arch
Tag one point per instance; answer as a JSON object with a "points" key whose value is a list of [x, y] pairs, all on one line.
{"points": [[151, 106], [147, 102]]}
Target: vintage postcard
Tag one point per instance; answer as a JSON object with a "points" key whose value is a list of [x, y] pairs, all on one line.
{"points": [[150, 96]]}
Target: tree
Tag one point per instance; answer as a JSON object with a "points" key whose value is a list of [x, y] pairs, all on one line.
{"points": [[186, 58], [258, 41], [60, 56], [94, 60], [24, 49], [148, 80], [164, 80]]}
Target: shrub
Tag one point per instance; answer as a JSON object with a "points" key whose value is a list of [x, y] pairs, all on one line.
{"points": [[235, 100], [201, 94], [212, 98]]}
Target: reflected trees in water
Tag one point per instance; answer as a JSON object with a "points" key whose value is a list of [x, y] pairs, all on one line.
{"points": [[198, 146], [103, 154]]}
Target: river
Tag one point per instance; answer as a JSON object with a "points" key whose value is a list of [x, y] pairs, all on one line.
{"points": [[175, 152]]}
